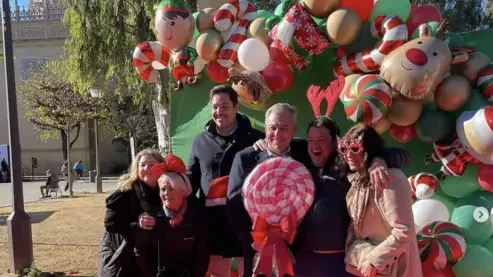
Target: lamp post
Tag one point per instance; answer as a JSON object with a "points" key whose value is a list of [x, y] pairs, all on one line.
{"points": [[96, 93], [18, 223]]}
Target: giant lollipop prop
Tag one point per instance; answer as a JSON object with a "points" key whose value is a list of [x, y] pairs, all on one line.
{"points": [[277, 195]]}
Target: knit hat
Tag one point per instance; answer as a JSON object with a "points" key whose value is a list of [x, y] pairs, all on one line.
{"points": [[172, 5]]}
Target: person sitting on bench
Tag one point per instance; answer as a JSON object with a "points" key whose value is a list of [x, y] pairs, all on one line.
{"points": [[51, 182]]}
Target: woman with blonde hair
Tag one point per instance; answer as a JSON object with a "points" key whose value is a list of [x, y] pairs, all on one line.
{"points": [[127, 213], [381, 237], [177, 246]]}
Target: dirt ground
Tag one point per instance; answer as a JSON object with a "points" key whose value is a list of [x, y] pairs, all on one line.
{"points": [[65, 233]]}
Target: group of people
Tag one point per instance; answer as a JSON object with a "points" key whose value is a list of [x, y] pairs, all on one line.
{"points": [[168, 219], [52, 181]]}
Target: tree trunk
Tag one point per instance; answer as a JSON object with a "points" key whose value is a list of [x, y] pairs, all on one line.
{"points": [[63, 135], [162, 116], [69, 167]]}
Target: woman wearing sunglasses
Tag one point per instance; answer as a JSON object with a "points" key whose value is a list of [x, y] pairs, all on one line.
{"points": [[381, 236]]}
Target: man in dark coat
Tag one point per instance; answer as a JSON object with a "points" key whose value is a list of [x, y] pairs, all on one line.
{"points": [[280, 127], [209, 166]]}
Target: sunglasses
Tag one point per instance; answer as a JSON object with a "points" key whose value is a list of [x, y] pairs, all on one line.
{"points": [[345, 147]]}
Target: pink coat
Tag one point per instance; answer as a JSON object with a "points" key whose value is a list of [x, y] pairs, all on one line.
{"points": [[388, 223]]}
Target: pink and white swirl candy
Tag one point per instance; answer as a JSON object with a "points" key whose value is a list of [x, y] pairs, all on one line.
{"points": [[278, 187]]}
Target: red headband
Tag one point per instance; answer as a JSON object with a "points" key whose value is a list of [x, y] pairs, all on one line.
{"points": [[173, 164]]}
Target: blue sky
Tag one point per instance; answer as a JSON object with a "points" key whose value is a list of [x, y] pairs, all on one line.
{"points": [[20, 2]]}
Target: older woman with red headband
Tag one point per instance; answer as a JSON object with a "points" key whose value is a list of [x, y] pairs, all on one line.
{"points": [[177, 245]]}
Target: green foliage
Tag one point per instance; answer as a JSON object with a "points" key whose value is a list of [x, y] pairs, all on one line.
{"points": [[102, 36], [463, 15], [52, 103], [32, 271]]}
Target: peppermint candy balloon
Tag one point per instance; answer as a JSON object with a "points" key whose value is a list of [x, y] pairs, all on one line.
{"points": [[278, 187], [441, 244], [423, 185], [368, 100], [485, 82]]}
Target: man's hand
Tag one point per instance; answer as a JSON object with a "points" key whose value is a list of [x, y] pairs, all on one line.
{"points": [[367, 269], [260, 145], [379, 177], [146, 221]]}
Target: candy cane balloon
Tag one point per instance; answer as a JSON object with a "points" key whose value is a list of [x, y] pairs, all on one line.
{"points": [[393, 32], [423, 185], [145, 54], [235, 10], [485, 82]]}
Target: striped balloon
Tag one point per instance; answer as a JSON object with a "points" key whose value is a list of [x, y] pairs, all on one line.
{"points": [[441, 244], [485, 82], [423, 185], [368, 99]]}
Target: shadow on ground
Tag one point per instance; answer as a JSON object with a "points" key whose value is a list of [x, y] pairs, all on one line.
{"points": [[36, 217]]}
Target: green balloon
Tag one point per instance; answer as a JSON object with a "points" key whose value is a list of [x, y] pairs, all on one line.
{"points": [[434, 30], [319, 21], [479, 198], [434, 125], [400, 8], [196, 32], [445, 199], [489, 245], [264, 14], [454, 38], [476, 232], [461, 186], [476, 263], [475, 102]]}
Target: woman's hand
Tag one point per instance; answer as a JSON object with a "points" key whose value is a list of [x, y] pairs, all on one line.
{"points": [[146, 221], [260, 145], [367, 269], [379, 176]]}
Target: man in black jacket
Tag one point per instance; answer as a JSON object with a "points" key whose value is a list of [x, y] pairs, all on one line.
{"points": [[209, 165], [280, 127]]}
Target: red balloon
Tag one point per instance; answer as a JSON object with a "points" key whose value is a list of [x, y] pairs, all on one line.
{"points": [[217, 73], [402, 134], [341, 52], [279, 77], [485, 177], [413, 7], [444, 272], [277, 56], [422, 14], [362, 7]]}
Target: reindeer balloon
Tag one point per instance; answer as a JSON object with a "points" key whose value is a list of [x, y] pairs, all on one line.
{"points": [[174, 26]]}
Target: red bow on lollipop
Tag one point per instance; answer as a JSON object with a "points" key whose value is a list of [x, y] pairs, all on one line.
{"points": [[316, 96], [173, 164], [270, 242]]}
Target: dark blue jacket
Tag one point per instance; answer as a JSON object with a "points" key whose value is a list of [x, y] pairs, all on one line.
{"points": [[211, 157]]}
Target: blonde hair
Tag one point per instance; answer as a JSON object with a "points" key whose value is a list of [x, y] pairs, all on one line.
{"points": [[127, 180], [179, 182]]}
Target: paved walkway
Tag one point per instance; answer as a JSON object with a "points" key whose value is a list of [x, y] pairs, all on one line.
{"points": [[32, 193]]}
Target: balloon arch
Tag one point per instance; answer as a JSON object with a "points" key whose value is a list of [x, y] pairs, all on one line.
{"points": [[398, 67]]}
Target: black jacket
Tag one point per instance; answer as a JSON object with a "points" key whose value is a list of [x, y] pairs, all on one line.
{"points": [[211, 157], [116, 257], [182, 251], [243, 164]]}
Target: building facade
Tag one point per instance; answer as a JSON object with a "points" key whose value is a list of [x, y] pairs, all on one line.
{"points": [[39, 35]]}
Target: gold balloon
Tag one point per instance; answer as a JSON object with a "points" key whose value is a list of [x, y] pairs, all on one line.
{"points": [[453, 93], [321, 8], [343, 26], [208, 44], [238, 66], [205, 19], [470, 69], [382, 125], [404, 111], [348, 82], [256, 29]]}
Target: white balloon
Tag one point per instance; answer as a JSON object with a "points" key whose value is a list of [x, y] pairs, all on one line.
{"points": [[423, 191], [199, 65], [426, 211], [253, 54]]}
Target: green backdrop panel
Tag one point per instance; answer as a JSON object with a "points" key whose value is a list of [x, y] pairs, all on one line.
{"points": [[190, 108]]}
